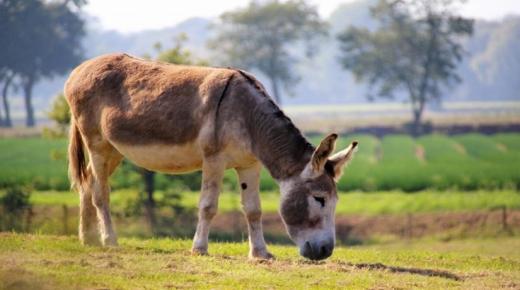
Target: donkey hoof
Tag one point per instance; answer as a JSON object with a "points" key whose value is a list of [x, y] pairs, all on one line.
{"points": [[110, 242], [260, 255], [199, 252], [94, 242], [91, 239]]}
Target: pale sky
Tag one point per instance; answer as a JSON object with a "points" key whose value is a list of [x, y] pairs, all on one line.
{"points": [[135, 15]]}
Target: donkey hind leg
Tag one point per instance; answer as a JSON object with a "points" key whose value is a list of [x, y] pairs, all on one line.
{"points": [[101, 166], [88, 226], [212, 173], [249, 182]]}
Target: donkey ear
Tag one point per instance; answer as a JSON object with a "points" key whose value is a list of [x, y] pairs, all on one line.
{"points": [[320, 155], [339, 160]]}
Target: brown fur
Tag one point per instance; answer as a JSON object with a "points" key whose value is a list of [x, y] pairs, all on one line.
{"points": [[294, 207], [139, 102], [321, 154], [274, 139]]}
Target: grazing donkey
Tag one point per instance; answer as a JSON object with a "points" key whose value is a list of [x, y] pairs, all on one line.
{"points": [[177, 119]]}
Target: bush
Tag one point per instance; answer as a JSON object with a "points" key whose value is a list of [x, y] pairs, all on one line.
{"points": [[15, 202]]}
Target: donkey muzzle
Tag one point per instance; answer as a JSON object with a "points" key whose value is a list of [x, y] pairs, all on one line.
{"points": [[317, 250]]}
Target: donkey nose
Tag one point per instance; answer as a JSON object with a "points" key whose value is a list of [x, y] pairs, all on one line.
{"points": [[317, 251], [326, 250]]}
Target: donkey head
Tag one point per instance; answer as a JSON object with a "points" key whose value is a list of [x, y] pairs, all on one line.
{"points": [[309, 200]]}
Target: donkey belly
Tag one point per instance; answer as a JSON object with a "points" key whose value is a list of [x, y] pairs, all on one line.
{"points": [[163, 158]]}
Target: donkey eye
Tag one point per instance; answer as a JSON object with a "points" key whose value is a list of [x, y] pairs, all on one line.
{"points": [[321, 200]]}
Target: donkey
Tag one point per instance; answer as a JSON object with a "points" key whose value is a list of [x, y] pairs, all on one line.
{"points": [[178, 119]]}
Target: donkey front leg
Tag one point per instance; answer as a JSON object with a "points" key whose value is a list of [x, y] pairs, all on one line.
{"points": [[212, 173], [249, 182]]}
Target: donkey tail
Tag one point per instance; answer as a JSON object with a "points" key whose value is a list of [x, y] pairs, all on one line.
{"points": [[77, 160]]}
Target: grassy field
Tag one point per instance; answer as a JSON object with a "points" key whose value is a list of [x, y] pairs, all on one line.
{"points": [[464, 162], [52, 262], [375, 203]]}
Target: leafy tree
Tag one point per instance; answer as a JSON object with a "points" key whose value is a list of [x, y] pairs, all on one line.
{"points": [[60, 114], [414, 50], [257, 37], [178, 54], [14, 203], [42, 40]]}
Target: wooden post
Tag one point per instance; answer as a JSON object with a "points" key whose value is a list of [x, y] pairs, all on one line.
{"points": [[409, 225], [28, 220], [505, 227], [65, 219]]}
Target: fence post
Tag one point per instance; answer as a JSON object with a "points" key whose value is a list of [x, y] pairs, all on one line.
{"points": [[28, 220], [409, 224], [505, 227], [65, 219]]}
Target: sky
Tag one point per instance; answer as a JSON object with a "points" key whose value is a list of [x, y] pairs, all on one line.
{"points": [[128, 16]]}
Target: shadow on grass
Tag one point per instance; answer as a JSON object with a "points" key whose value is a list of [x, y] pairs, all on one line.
{"points": [[395, 269]]}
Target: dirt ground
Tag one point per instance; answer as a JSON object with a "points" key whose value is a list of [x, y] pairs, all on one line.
{"points": [[359, 228]]}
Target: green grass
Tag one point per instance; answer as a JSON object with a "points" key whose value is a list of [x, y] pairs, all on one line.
{"points": [[51, 262], [395, 162], [38, 162], [389, 202]]}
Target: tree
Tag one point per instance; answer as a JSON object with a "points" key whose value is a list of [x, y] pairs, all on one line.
{"points": [[178, 54], [414, 50], [60, 114], [13, 204], [257, 37], [7, 78], [43, 40]]}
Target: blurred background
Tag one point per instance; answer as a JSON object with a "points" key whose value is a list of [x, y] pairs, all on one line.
{"points": [[431, 89]]}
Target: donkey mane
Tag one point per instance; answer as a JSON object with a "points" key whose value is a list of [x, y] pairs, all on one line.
{"points": [[280, 146]]}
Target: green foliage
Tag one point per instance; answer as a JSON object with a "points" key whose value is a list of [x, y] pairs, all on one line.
{"points": [[414, 50], [351, 203], [257, 37], [29, 162], [60, 114], [60, 111], [42, 40], [14, 203], [178, 54]]}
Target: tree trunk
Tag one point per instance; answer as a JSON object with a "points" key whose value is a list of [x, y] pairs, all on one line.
{"points": [[27, 89], [149, 187], [276, 90], [7, 120], [417, 119], [422, 94], [1, 119]]}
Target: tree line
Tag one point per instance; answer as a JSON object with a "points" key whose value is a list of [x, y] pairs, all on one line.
{"points": [[40, 39], [414, 49]]}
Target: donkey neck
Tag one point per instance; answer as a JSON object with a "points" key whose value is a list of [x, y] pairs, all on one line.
{"points": [[275, 140]]}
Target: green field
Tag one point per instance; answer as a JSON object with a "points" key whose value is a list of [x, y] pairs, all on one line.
{"points": [[375, 203], [51, 262], [463, 162]]}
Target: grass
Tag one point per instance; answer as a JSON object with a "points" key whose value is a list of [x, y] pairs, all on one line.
{"points": [[52, 262], [387, 202], [462, 162], [38, 162]]}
